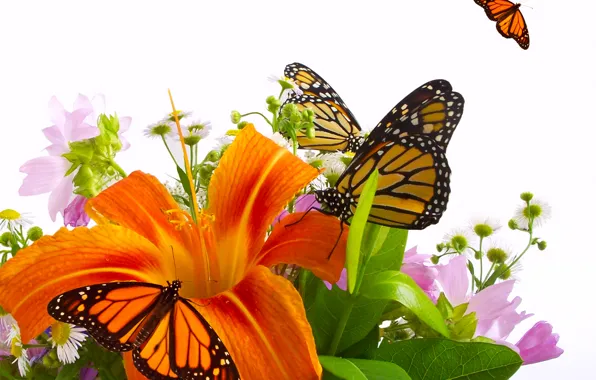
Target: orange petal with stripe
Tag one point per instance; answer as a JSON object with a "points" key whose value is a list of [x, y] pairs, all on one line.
{"points": [[71, 259], [255, 179], [262, 323], [139, 202], [308, 243]]}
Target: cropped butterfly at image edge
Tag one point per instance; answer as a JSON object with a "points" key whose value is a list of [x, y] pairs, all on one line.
{"points": [[169, 337]]}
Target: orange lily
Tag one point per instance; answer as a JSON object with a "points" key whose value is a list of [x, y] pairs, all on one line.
{"points": [[223, 258]]}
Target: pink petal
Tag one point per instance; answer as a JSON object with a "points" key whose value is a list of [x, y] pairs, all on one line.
{"points": [[124, 123], [74, 213], [422, 275], [539, 344], [56, 111], [76, 129], [342, 283], [60, 197], [124, 142], [55, 135], [491, 302], [82, 102], [412, 256], [98, 104], [303, 204], [453, 278], [57, 149], [43, 174]]}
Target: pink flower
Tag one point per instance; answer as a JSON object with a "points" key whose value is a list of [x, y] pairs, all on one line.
{"points": [[303, 204], [74, 214], [497, 316], [539, 344], [415, 266], [342, 283]]}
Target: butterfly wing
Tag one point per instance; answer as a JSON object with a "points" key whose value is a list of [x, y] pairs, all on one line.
{"points": [[197, 352], [113, 313], [336, 127], [510, 20], [433, 109], [413, 185]]}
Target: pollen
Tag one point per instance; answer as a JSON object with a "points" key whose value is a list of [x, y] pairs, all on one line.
{"points": [[60, 332], [179, 218]]}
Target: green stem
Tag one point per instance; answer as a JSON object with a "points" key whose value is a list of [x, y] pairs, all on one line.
{"points": [[481, 260], [302, 277], [341, 326], [36, 346], [258, 113], [118, 168], [169, 151]]}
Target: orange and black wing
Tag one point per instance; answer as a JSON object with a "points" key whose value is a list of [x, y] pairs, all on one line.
{"points": [[197, 351], [113, 313], [335, 130], [433, 110], [510, 21], [413, 184], [336, 127]]}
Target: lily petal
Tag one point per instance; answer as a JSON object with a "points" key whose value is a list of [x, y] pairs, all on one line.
{"points": [[255, 179], [70, 259], [247, 319], [139, 202], [308, 244]]}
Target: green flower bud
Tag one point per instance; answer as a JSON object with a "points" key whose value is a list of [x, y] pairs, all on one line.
{"points": [[53, 355], [478, 255], [192, 140], [513, 224], [271, 100], [542, 245], [274, 105], [5, 239], [235, 116], [296, 118], [459, 242], [289, 109], [505, 272], [532, 211], [34, 233], [310, 132], [440, 247], [526, 196], [332, 179], [213, 156], [206, 170], [496, 255], [483, 230], [346, 160], [308, 115], [434, 259], [242, 124]]}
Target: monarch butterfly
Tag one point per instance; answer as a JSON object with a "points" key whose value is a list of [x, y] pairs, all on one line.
{"points": [[431, 109], [413, 185], [336, 127], [169, 338], [408, 149], [510, 21]]}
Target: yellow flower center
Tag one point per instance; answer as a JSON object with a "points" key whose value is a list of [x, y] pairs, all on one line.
{"points": [[60, 333], [16, 349], [9, 214]]}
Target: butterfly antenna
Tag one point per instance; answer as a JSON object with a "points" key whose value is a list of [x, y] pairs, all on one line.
{"points": [[174, 260], [341, 231]]}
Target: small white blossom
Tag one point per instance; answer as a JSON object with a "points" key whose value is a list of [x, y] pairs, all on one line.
{"points": [[523, 221], [67, 339]]}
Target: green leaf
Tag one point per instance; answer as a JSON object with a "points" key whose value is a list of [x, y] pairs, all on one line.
{"points": [[184, 180], [71, 371], [380, 239], [444, 306], [362, 369], [459, 310], [324, 308], [465, 327], [357, 228], [357, 350], [397, 286], [438, 358]]}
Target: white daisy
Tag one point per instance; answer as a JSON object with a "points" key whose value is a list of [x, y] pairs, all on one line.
{"points": [[163, 128], [481, 227], [194, 132], [280, 140], [67, 339], [21, 355], [10, 218], [539, 210]]}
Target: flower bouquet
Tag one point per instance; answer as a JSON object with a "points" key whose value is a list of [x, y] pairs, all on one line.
{"points": [[274, 255]]}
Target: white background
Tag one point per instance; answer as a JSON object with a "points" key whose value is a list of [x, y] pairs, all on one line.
{"points": [[528, 123]]}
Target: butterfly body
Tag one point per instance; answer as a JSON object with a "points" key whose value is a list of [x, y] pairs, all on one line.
{"points": [[510, 20], [151, 320]]}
